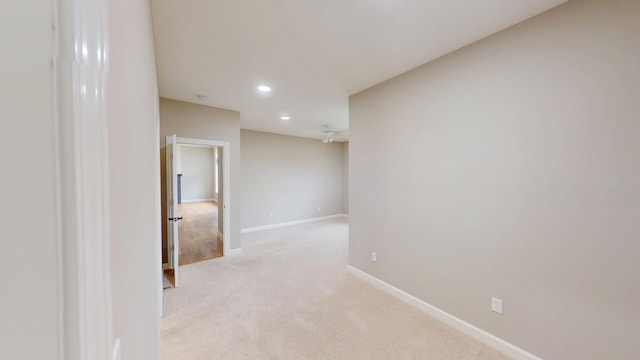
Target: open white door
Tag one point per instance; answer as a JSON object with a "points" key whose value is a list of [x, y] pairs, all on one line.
{"points": [[172, 208]]}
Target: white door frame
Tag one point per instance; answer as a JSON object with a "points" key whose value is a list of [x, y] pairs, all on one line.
{"points": [[226, 185]]}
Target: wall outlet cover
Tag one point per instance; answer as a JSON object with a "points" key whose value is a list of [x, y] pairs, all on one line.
{"points": [[496, 305], [116, 350]]}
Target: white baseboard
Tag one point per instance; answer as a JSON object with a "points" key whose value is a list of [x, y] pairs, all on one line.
{"points": [[236, 251], [197, 200], [289, 223], [471, 330]]}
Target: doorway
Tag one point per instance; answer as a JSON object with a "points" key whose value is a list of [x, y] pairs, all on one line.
{"points": [[198, 194], [175, 216]]}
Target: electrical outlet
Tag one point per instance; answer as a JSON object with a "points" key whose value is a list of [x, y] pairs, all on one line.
{"points": [[496, 305], [318, 208], [271, 214], [374, 256]]}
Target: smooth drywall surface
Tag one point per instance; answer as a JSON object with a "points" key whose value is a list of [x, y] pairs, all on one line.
{"points": [[511, 168], [133, 191], [287, 178], [30, 307], [197, 173], [208, 123], [345, 178]]}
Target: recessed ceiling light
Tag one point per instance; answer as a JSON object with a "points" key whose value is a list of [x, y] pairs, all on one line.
{"points": [[285, 117], [264, 88]]}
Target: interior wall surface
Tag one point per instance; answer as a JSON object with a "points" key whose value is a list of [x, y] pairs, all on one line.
{"points": [[511, 169]]}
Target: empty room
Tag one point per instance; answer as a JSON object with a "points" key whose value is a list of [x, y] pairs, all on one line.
{"points": [[363, 179]]}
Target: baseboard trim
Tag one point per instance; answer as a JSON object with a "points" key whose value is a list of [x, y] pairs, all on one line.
{"points": [[197, 200], [289, 223], [237, 251], [471, 330]]}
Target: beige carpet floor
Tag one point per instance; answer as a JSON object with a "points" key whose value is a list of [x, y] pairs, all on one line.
{"points": [[289, 296]]}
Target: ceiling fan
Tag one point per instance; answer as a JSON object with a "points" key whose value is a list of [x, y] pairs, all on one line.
{"points": [[329, 135]]}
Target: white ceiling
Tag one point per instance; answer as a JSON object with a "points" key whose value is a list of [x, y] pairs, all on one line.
{"points": [[313, 53]]}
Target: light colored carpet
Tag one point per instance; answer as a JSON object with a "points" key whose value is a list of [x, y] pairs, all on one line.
{"points": [[289, 296]]}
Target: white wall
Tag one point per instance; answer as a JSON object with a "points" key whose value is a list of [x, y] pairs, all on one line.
{"points": [[134, 189], [287, 178], [30, 305], [197, 168], [208, 123], [512, 169]]}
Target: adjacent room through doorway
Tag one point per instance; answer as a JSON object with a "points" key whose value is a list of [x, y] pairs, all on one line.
{"points": [[199, 239], [196, 200], [198, 186]]}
